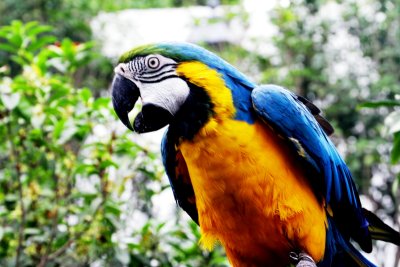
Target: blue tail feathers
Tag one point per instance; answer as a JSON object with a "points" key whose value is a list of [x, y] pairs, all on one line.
{"points": [[339, 252]]}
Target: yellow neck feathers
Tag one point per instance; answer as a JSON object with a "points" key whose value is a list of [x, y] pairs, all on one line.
{"points": [[211, 81]]}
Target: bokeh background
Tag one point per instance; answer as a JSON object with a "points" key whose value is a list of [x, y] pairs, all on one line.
{"points": [[77, 189]]}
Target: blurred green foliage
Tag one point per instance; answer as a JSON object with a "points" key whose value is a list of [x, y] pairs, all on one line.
{"points": [[392, 123], [60, 203], [72, 17]]}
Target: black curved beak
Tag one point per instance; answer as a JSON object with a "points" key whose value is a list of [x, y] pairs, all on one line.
{"points": [[124, 94]]}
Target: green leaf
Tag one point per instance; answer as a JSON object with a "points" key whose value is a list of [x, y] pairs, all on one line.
{"points": [[58, 128], [112, 208], [108, 163], [68, 49], [85, 169], [219, 261], [8, 48], [101, 102], [382, 103], [395, 154], [68, 131], [30, 25], [19, 60], [36, 134], [37, 29], [160, 226], [395, 185], [85, 94], [58, 93], [16, 40], [5, 31], [42, 42]]}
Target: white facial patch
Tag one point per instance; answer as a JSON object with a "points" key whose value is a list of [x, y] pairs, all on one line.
{"points": [[157, 80], [169, 94]]}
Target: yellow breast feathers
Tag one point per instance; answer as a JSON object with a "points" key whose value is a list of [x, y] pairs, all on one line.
{"points": [[251, 195]]}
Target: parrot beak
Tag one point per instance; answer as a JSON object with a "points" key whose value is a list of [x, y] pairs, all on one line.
{"points": [[124, 96]]}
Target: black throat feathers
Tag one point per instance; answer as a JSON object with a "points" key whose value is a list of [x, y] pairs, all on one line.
{"points": [[192, 115]]}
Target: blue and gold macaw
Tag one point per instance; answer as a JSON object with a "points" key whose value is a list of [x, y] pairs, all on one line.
{"points": [[252, 165]]}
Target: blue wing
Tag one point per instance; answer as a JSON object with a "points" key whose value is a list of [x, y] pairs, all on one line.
{"points": [[178, 175], [288, 114]]}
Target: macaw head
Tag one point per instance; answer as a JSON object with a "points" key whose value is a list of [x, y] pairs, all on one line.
{"points": [[180, 84]]}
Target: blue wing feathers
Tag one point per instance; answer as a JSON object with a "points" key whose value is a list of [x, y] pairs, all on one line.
{"points": [[178, 176], [168, 158], [279, 107], [288, 115]]}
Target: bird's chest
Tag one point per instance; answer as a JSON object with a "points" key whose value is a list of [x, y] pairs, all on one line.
{"points": [[248, 189], [238, 164]]}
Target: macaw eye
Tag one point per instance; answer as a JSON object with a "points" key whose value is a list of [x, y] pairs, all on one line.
{"points": [[153, 62]]}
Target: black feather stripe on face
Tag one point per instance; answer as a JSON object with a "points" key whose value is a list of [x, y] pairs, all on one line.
{"points": [[193, 114]]}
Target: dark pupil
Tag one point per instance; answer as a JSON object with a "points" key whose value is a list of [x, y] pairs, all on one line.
{"points": [[153, 62]]}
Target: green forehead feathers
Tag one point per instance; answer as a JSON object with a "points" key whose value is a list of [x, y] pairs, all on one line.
{"points": [[165, 50], [143, 50]]}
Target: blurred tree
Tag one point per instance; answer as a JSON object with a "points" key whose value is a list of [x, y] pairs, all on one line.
{"points": [[378, 29], [62, 200], [71, 19]]}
